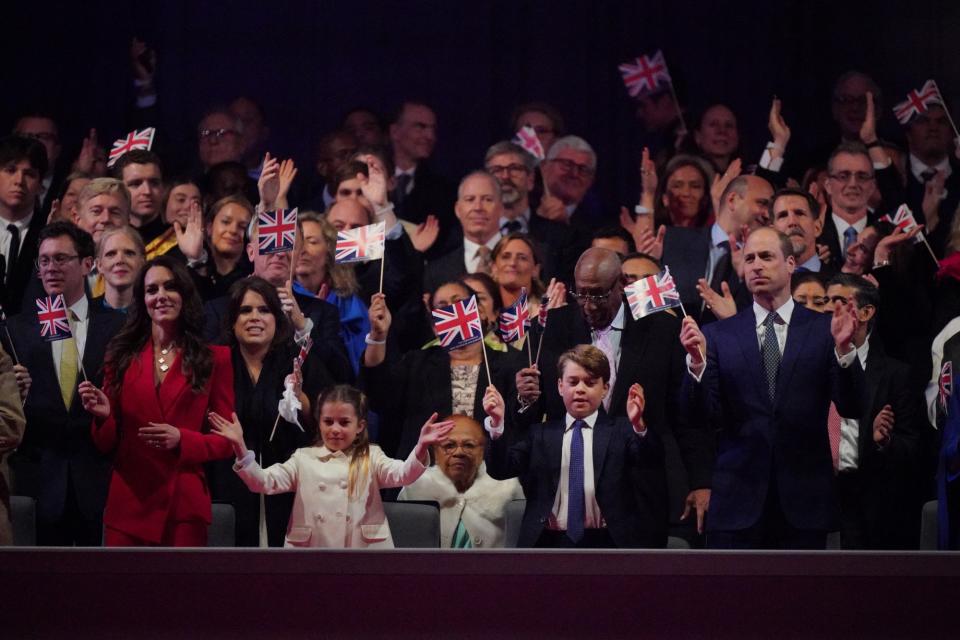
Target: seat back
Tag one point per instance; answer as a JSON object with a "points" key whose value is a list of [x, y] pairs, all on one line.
{"points": [[23, 513], [223, 526], [414, 524], [928, 527], [513, 520]]}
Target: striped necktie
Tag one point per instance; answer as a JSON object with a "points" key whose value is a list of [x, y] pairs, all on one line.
{"points": [[461, 537]]}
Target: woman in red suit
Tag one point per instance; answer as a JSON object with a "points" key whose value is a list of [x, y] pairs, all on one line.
{"points": [[160, 382]]}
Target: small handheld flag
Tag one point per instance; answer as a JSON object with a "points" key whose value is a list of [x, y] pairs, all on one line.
{"points": [[542, 313], [651, 294], [514, 319], [903, 220], [277, 231], [52, 316], [918, 102], [646, 74], [946, 383], [458, 325], [527, 138], [361, 244], [302, 354], [142, 139]]}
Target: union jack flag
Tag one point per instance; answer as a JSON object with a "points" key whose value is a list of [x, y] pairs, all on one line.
{"points": [[361, 244], [527, 138], [277, 230], [903, 219], [142, 139], [302, 354], [514, 319], [946, 383], [53, 319], [646, 74], [918, 102], [542, 314], [458, 324], [651, 294]]}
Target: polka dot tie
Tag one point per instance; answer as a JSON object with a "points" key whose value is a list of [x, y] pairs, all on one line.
{"points": [[770, 351]]}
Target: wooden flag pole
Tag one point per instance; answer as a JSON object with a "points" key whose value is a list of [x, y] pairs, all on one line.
{"points": [[676, 102], [13, 349], [529, 351], [930, 249], [486, 363], [943, 104], [383, 260]]}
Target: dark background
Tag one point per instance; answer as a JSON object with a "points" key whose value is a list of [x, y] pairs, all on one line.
{"points": [[308, 62]]}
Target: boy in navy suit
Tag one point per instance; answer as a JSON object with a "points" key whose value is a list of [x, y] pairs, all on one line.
{"points": [[591, 481]]}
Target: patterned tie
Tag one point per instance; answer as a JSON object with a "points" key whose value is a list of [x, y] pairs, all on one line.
{"points": [[576, 508], [927, 175], [603, 342], [483, 260], [511, 226], [14, 252], [68, 367], [849, 237], [833, 429], [400, 191], [461, 537], [770, 352]]}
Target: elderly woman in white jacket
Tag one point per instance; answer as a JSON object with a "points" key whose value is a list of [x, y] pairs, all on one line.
{"points": [[338, 480], [472, 504]]}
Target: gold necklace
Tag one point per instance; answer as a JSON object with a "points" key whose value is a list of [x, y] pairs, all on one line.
{"points": [[162, 358]]}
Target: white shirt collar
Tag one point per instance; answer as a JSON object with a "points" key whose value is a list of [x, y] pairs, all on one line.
{"points": [[590, 420], [862, 352], [813, 264], [523, 219], [616, 323], [80, 308], [470, 247], [785, 311], [842, 225], [23, 224], [409, 172], [718, 235], [918, 167]]}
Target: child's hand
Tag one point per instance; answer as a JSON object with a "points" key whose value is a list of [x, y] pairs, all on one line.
{"points": [[432, 433], [232, 431], [494, 406], [635, 404]]}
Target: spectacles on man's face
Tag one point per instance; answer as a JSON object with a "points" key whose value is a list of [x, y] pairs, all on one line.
{"points": [[468, 447], [59, 260], [512, 169], [595, 298], [569, 166], [42, 136], [216, 134], [861, 177]]}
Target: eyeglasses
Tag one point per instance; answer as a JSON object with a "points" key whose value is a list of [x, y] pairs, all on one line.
{"points": [[206, 134], [569, 166], [584, 298], [513, 169], [450, 447], [59, 260], [861, 177], [43, 136]]}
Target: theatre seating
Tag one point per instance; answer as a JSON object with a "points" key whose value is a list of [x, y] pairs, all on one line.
{"points": [[414, 524], [23, 512]]}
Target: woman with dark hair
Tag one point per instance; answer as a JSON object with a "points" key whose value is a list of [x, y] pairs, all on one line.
{"points": [[262, 351], [161, 379], [716, 137], [225, 234], [683, 195], [489, 304], [405, 390]]}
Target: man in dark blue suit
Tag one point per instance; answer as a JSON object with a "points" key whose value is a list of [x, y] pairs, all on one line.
{"points": [[763, 380], [590, 480]]}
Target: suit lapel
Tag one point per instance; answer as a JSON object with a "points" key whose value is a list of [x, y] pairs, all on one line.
{"points": [[746, 336], [602, 429], [633, 344], [552, 433], [800, 323]]}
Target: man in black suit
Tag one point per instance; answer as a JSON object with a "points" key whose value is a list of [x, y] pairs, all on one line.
{"points": [[877, 455], [142, 174], [929, 161], [23, 163], [42, 127], [591, 481], [515, 170], [479, 209], [569, 171], [645, 351], [418, 191], [57, 462], [796, 214], [318, 318], [701, 258]]}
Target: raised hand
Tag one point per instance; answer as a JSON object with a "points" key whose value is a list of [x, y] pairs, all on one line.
{"points": [[288, 171], [374, 185], [556, 294], [882, 252], [232, 430], [933, 193], [55, 212], [843, 326], [868, 130], [736, 249], [143, 60], [528, 384], [650, 244], [425, 234], [824, 252], [693, 341], [190, 237], [432, 433], [821, 197], [551, 208], [88, 153], [635, 404], [883, 426], [720, 183], [494, 406], [269, 182], [722, 305], [159, 435], [290, 307], [380, 318], [648, 180], [779, 131], [95, 401]]}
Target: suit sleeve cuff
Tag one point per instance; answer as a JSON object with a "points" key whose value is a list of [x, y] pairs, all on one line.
{"points": [[847, 360], [690, 369]]}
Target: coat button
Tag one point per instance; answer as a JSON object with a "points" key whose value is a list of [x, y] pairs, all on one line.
{"points": [[339, 514], [343, 484], [322, 486], [478, 541], [543, 520], [348, 517]]}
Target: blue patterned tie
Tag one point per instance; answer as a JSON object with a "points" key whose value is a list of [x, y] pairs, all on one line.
{"points": [[849, 237], [770, 351], [576, 510]]}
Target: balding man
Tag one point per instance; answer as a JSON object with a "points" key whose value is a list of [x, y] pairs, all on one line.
{"points": [[479, 208], [472, 504], [764, 380], [645, 351]]}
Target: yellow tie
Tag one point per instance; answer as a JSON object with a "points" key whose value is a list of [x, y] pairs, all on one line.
{"points": [[99, 286], [68, 367]]}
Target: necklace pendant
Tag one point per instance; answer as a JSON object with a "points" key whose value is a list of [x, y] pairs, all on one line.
{"points": [[164, 366]]}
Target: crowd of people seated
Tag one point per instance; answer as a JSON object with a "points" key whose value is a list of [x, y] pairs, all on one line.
{"points": [[804, 387]]}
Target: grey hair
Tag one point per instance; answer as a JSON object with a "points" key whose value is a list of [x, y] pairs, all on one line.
{"points": [[480, 173], [575, 143], [504, 147]]}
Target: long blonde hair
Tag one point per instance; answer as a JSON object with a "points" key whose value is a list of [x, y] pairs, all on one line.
{"points": [[359, 452]]}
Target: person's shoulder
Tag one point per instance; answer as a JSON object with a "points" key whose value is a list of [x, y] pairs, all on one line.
{"points": [[221, 354]]}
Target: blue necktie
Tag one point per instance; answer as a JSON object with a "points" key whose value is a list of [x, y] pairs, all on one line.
{"points": [[849, 237], [771, 353], [576, 509]]}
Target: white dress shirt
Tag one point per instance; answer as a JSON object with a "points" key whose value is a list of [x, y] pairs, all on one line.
{"points": [[409, 172], [850, 428], [842, 226], [558, 516], [22, 225], [918, 167], [523, 219], [80, 308], [470, 258]]}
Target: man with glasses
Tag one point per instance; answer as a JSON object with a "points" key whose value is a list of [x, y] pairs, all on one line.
{"points": [[515, 169], [57, 462], [220, 138], [568, 173], [23, 163], [472, 504], [645, 351]]}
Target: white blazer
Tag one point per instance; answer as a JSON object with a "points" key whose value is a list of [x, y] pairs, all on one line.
{"points": [[323, 515], [481, 507]]}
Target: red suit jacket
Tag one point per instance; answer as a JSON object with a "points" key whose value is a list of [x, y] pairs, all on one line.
{"points": [[152, 487]]}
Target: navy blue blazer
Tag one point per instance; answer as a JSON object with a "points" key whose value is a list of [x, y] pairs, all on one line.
{"points": [[785, 441], [628, 472]]}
